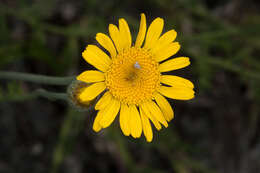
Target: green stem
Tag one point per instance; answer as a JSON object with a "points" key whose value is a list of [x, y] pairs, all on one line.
{"points": [[51, 95], [37, 93], [41, 79]]}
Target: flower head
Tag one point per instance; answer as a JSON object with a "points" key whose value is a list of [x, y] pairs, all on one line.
{"points": [[131, 78]]}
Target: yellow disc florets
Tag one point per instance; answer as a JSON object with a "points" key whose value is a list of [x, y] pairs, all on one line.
{"points": [[133, 76]]}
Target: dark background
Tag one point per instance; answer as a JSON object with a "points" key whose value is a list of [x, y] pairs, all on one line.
{"points": [[216, 132]]}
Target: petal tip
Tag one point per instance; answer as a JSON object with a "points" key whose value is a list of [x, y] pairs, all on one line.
{"points": [[159, 19], [97, 129], [149, 140]]}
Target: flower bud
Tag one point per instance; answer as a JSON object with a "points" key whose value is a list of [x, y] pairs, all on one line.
{"points": [[74, 90]]}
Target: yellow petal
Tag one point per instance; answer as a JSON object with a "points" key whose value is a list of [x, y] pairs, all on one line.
{"points": [[107, 43], [135, 122], [115, 35], [110, 113], [156, 112], [156, 123], [124, 119], [141, 33], [174, 64], [124, 30], [164, 40], [103, 101], [96, 57], [148, 133], [92, 91], [176, 81], [177, 93], [91, 76], [164, 106], [154, 32], [167, 51], [96, 126]]}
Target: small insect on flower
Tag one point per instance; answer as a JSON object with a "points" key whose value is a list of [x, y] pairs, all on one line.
{"points": [[137, 65], [132, 80]]}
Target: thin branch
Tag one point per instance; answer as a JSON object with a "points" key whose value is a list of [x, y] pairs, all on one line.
{"points": [[51, 95], [41, 79]]}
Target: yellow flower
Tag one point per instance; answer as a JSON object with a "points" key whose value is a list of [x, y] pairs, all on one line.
{"points": [[131, 76]]}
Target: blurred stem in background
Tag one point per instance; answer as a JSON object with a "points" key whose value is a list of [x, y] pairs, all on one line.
{"points": [[73, 123]]}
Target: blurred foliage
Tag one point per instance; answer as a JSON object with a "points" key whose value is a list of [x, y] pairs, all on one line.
{"points": [[216, 132]]}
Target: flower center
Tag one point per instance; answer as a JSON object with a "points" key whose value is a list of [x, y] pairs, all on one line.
{"points": [[133, 76]]}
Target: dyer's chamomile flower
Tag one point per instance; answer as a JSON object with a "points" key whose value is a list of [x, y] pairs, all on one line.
{"points": [[131, 78]]}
